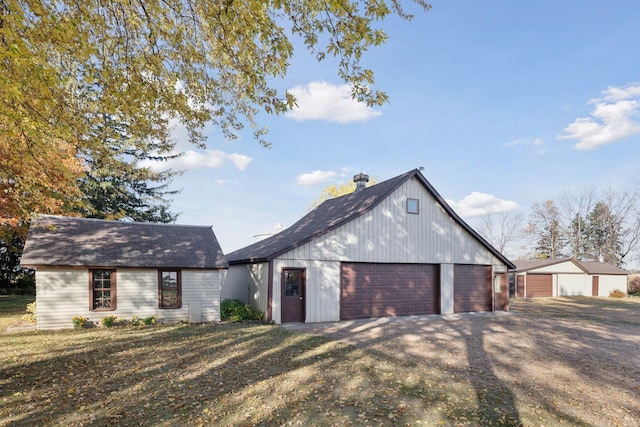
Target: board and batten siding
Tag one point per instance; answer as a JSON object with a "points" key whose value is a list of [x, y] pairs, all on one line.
{"points": [[322, 289], [386, 234], [63, 293], [389, 234]]}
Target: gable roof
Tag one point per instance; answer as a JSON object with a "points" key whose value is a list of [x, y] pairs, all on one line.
{"points": [[589, 267], [335, 212], [595, 267], [539, 263], [82, 242]]}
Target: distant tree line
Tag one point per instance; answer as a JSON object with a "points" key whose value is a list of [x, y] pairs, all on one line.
{"points": [[589, 224]]}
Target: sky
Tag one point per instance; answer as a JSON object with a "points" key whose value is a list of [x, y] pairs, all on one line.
{"points": [[503, 103]]}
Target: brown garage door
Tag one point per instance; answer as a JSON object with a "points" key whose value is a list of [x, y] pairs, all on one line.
{"points": [[384, 290], [471, 288], [539, 285], [520, 288]]}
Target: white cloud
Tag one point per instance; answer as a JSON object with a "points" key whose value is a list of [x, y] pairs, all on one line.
{"points": [[208, 159], [614, 117], [524, 141], [617, 93], [240, 160], [315, 177], [476, 204], [325, 101]]}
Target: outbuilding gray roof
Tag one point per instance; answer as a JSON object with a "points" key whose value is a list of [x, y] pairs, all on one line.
{"points": [[595, 267], [82, 242], [333, 213], [539, 263], [589, 267]]}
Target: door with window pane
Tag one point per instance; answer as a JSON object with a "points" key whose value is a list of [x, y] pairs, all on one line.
{"points": [[293, 282]]}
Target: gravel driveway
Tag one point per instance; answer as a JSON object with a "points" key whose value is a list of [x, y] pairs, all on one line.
{"points": [[574, 361]]}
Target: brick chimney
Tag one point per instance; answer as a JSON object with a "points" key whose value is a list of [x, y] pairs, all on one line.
{"points": [[361, 180]]}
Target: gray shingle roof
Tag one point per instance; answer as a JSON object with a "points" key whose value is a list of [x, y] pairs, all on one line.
{"points": [[589, 267], [595, 267], [68, 241], [335, 212], [539, 263]]}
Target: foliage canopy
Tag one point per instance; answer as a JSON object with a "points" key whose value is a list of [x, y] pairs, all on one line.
{"points": [[77, 76]]}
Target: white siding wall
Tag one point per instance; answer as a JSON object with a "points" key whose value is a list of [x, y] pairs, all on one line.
{"points": [[203, 287], [247, 283], [447, 303], [387, 234], [573, 284], [322, 291], [237, 284], [562, 267], [606, 284], [60, 295], [64, 293]]}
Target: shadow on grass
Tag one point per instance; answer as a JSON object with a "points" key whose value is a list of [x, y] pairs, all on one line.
{"points": [[544, 366], [213, 374], [471, 371]]}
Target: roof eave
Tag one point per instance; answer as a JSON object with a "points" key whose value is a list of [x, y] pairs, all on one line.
{"points": [[461, 222]]}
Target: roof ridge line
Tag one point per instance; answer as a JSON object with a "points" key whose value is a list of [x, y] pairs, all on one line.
{"points": [[118, 221]]}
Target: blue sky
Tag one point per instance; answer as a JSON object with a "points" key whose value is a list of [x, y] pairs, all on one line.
{"points": [[504, 104]]}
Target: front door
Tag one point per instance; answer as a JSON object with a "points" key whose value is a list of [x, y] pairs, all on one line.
{"points": [[293, 295]]}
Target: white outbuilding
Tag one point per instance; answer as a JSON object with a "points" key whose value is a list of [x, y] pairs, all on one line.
{"points": [[567, 277], [97, 268]]}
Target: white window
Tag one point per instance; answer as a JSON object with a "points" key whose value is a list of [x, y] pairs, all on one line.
{"points": [[412, 206]]}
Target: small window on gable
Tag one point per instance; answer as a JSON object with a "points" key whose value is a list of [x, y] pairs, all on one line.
{"points": [[413, 206], [169, 289]]}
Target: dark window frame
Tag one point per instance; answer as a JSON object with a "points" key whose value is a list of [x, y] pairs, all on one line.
{"points": [[113, 289], [178, 303], [417, 207]]}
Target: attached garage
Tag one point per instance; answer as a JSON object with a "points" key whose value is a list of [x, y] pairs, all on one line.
{"points": [[539, 286], [381, 290], [472, 288], [385, 250]]}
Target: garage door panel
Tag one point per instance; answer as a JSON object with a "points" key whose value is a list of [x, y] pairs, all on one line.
{"points": [[539, 286], [472, 288], [385, 290]]}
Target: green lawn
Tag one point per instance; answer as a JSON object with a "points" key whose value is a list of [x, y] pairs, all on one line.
{"points": [[251, 374], [12, 307]]}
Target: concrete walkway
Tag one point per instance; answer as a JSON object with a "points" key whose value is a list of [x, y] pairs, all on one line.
{"points": [[347, 324]]}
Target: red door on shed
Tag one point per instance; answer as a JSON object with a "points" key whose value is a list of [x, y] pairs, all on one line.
{"points": [[384, 290], [471, 288], [539, 286], [595, 286], [293, 292]]}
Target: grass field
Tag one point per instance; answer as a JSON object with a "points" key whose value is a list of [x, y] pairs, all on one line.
{"points": [[12, 307], [251, 374]]}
